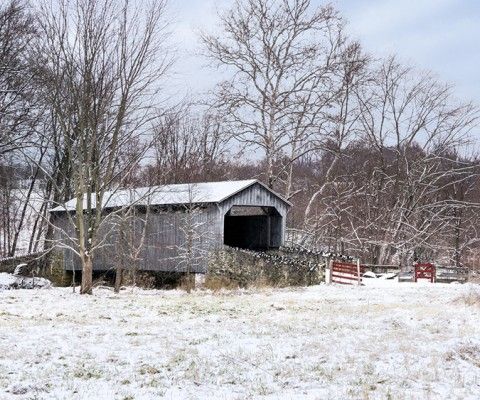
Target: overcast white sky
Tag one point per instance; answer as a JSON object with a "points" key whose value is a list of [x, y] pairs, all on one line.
{"points": [[440, 35]]}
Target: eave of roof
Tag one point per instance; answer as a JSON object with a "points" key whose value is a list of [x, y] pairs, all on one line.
{"points": [[212, 192]]}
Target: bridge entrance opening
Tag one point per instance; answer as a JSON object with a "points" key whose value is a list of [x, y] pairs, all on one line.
{"points": [[253, 228]]}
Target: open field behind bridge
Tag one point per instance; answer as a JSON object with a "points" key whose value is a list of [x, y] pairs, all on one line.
{"points": [[326, 342]]}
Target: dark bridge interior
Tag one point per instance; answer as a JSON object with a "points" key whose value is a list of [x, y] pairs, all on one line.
{"points": [[253, 228]]}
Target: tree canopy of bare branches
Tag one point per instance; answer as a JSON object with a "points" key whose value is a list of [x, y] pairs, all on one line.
{"points": [[17, 97], [283, 57], [102, 61], [395, 192]]}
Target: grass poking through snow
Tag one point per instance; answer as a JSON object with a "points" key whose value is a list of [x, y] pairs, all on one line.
{"points": [[403, 342]]}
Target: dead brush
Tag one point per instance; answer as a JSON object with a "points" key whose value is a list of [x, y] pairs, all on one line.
{"points": [[472, 298], [187, 283], [467, 352], [217, 283]]}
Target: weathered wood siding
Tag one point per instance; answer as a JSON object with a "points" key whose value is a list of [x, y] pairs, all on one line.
{"points": [[165, 247]]}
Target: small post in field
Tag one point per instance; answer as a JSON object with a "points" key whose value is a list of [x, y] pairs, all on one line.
{"points": [[359, 278], [328, 271]]}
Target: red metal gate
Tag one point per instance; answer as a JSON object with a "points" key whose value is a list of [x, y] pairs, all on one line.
{"points": [[346, 273], [425, 271]]}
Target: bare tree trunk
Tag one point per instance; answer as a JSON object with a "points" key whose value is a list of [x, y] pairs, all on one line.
{"points": [[118, 279], [73, 279], [26, 205], [87, 274]]}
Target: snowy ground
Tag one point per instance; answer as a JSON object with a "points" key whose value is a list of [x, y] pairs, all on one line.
{"points": [[327, 342]]}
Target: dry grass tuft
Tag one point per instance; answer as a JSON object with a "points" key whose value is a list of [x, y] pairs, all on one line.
{"points": [[217, 283], [472, 298], [467, 352], [187, 283]]}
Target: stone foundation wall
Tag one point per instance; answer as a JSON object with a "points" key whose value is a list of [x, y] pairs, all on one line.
{"points": [[40, 265], [34, 262], [280, 268]]}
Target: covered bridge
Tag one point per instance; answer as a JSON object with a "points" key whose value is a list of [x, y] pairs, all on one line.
{"points": [[177, 227]]}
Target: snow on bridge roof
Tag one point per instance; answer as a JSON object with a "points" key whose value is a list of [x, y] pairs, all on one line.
{"points": [[206, 192]]}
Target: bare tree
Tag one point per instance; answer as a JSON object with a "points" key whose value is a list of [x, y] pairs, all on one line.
{"points": [[389, 196], [195, 233], [131, 231], [18, 113], [417, 119], [20, 116], [459, 194], [188, 147], [102, 63], [342, 120], [282, 56]]}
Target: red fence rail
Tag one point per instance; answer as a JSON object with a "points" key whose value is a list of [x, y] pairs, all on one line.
{"points": [[351, 274], [346, 273], [425, 271]]}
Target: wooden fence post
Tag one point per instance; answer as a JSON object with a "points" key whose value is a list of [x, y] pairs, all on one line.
{"points": [[359, 278], [328, 271]]}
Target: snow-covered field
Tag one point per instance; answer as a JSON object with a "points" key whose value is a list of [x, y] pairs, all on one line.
{"points": [[327, 342]]}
